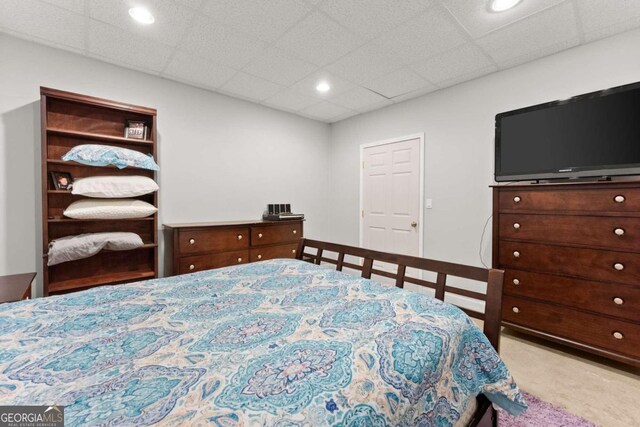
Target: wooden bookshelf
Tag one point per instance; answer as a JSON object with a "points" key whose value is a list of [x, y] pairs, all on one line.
{"points": [[70, 119]]}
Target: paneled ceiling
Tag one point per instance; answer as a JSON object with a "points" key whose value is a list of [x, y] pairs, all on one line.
{"points": [[373, 53]]}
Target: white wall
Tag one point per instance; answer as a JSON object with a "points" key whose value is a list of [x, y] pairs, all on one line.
{"points": [[223, 158], [220, 158], [458, 123]]}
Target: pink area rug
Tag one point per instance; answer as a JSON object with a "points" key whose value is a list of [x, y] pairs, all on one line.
{"points": [[542, 414]]}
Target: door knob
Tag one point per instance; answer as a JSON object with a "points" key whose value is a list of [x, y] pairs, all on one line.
{"points": [[414, 224]]}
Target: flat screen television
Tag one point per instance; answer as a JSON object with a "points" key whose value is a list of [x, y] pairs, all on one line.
{"points": [[591, 135]]}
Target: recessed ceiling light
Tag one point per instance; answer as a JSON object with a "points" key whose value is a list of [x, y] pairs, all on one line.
{"points": [[142, 15], [323, 87], [502, 5]]}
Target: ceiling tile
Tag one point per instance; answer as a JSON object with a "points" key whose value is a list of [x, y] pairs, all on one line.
{"points": [[433, 32], [369, 18], [307, 86], [357, 98], [325, 111], [193, 4], [601, 19], [76, 6], [476, 18], [172, 20], [43, 21], [223, 45], [466, 77], [266, 20], [398, 83], [250, 87], [201, 72], [414, 94], [319, 40], [279, 67], [542, 34], [456, 64], [276, 51], [365, 63], [376, 106], [291, 100], [114, 45]]}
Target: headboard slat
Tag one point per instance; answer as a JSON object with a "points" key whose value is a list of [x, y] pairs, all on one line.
{"points": [[441, 282], [402, 269]]}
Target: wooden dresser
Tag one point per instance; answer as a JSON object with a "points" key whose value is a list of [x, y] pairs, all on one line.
{"points": [[203, 246], [571, 255]]}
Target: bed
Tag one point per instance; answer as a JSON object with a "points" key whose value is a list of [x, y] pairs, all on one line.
{"points": [[274, 343]]}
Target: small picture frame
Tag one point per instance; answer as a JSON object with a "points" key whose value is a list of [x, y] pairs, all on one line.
{"points": [[135, 129], [62, 180]]}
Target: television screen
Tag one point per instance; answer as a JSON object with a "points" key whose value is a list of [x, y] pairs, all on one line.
{"points": [[597, 134]]}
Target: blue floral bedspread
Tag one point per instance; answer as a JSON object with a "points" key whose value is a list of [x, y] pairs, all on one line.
{"points": [[276, 343]]}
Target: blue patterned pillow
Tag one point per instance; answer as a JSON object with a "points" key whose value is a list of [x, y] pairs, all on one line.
{"points": [[104, 155]]}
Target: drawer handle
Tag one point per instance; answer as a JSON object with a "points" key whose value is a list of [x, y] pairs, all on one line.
{"points": [[619, 199], [516, 225], [516, 310], [191, 267], [293, 251], [259, 256], [618, 301], [618, 335], [192, 241], [516, 282], [516, 199], [295, 231], [619, 231], [239, 236], [259, 235], [516, 254], [239, 259], [618, 266]]}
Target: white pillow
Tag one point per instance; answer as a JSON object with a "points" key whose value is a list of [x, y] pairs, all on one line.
{"points": [[71, 248], [112, 187], [109, 209]]}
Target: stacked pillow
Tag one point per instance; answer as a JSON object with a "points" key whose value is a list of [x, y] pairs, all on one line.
{"points": [[113, 188], [105, 155], [71, 248], [109, 209], [109, 198]]}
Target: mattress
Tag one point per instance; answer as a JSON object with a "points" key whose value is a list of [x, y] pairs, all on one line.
{"points": [[275, 343]]}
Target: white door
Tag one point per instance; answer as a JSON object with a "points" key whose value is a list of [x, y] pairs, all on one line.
{"points": [[391, 197]]}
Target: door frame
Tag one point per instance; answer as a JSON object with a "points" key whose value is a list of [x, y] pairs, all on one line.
{"points": [[420, 137]]}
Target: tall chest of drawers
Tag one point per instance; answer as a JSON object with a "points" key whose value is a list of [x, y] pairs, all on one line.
{"points": [[203, 246], [571, 255]]}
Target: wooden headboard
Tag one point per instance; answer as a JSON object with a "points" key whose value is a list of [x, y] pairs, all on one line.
{"points": [[494, 278]]}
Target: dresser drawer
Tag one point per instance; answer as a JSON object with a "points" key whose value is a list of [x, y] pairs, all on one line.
{"points": [[213, 240], [606, 298], [615, 335], [593, 264], [195, 263], [590, 200], [621, 233], [271, 252], [273, 234]]}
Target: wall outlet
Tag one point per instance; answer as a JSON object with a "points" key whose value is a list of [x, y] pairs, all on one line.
{"points": [[429, 203]]}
